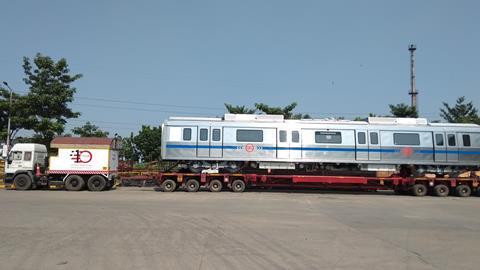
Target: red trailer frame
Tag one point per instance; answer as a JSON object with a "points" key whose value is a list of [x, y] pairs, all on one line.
{"points": [[238, 182]]}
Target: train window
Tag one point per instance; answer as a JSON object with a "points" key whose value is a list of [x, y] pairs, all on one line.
{"points": [[295, 136], [27, 156], [248, 135], [451, 140], [187, 134], [439, 139], [362, 138], [373, 138], [203, 134], [216, 135], [283, 136], [328, 137], [406, 138], [466, 140]]}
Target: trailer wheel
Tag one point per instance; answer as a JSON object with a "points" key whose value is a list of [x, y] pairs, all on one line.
{"points": [[22, 182], [74, 183], [215, 185], [96, 183], [463, 191], [192, 185], [238, 185], [168, 185], [441, 190], [419, 190]]}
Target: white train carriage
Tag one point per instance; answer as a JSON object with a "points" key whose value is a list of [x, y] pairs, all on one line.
{"points": [[269, 141]]}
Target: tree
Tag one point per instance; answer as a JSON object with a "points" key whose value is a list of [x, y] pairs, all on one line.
{"points": [[89, 130], [239, 109], [147, 143], [19, 108], [129, 150], [462, 112], [403, 110], [50, 93], [286, 111]]}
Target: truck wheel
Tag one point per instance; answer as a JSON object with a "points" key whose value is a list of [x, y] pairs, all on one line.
{"points": [[419, 190], [22, 182], [441, 190], [169, 185], [192, 185], [238, 185], [96, 183], [463, 191], [74, 183], [215, 185]]}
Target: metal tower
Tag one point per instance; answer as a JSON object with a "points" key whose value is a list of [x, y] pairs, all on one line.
{"points": [[413, 90]]}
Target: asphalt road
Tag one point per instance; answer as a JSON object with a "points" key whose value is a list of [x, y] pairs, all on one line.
{"points": [[132, 228]]}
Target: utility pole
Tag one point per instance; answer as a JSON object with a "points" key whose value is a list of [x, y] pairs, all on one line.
{"points": [[9, 115], [413, 89]]}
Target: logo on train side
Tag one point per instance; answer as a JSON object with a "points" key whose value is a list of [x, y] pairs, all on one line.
{"points": [[249, 147], [81, 156], [407, 152]]}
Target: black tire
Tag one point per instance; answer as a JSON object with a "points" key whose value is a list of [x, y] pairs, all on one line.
{"points": [[168, 185], [74, 183], [441, 190], [233, 167], [195, 167], [215, 185], [22, 182], [463, 191], [192, 185], [238, 185], [419, 190], [96, 183]]}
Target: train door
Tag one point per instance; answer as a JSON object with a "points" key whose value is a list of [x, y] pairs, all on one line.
{"points": [[203, 141], [361, 145], [283, 145], [216, 145], [374, 147], [295, 144], [439, 147], [452, 147]]}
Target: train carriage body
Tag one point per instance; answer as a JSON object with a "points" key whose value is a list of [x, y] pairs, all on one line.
{"points": [[376, 144]]}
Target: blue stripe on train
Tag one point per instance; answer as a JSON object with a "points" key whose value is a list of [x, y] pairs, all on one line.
{"points": [[324, 149]]}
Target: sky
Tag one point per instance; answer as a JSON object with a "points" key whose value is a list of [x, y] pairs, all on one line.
{"points": [[143, 61]]}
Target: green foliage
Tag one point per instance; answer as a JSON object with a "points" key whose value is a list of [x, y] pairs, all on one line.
{"points": [[286, 111], [403, 110], [239, 109], [89, 130], [50, 93], [145, 145], [129, 151], [18, 111], [462, 112]]}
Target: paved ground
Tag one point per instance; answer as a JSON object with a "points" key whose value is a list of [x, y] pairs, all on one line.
{"points": [[131, 228]]}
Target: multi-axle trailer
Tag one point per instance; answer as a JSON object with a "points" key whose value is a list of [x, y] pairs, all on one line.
{"points": [[460, 186]]}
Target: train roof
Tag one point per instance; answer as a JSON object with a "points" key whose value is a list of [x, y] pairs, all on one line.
{"points": [[280, 119]]}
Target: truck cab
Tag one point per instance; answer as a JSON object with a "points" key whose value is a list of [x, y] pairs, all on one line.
{"points": [[22, 160]]}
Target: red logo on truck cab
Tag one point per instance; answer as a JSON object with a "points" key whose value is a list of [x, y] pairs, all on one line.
{"points": [[81, 156]]}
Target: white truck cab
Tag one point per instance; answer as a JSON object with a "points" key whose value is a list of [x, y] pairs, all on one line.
{"points": [[24, 157]]}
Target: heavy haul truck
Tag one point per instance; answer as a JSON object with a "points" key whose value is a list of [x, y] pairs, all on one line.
{"points": [[73, 163]]}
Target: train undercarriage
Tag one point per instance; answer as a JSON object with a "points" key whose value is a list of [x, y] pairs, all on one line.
{"points": [[351, 169]]}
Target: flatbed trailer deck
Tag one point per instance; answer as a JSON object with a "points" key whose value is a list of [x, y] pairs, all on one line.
{"points": [[239, 182]]}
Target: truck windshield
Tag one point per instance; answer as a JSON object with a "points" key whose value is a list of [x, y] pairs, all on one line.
{"points": [[17, 155]]}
